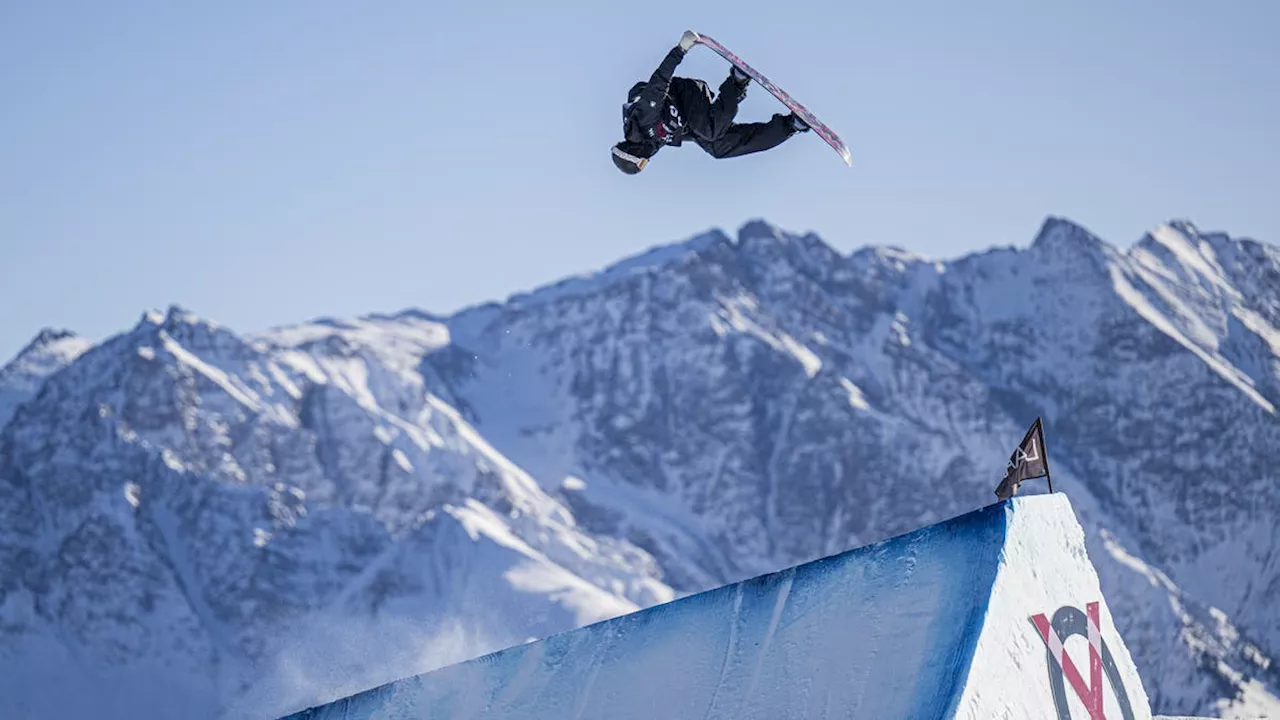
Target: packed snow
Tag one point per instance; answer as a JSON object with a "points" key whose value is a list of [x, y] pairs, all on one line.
{"points": [[931, 624]]}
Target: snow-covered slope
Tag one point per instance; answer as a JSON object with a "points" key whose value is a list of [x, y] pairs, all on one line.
{"points": [[186, 510], [932, 624], [21, 378], [762, 402], [274, 520]]}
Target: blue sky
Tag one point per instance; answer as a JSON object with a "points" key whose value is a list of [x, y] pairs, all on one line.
{"points": [[265, 163]]}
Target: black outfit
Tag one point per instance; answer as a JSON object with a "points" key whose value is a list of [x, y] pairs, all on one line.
{"points": [[668, 110]]}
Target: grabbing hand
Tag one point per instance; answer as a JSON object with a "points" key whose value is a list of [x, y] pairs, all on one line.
{"points": [[688, 40]]}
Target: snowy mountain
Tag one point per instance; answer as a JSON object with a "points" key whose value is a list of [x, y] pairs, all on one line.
{"points": [[194, 520], [48, 353]]}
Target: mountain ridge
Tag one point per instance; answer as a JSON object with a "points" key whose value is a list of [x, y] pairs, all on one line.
{"points": [[694, 415]]}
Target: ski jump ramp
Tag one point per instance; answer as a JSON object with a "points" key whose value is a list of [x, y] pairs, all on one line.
{"points": [[993, 614]]}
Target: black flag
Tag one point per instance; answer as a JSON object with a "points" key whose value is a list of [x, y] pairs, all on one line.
{"points": [[1028, 462]]}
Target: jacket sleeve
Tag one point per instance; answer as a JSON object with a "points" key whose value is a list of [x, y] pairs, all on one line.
{"points": [[649, 107]]}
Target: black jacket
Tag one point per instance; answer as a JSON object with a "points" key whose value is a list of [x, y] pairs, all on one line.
{"points": [[668, 110]]}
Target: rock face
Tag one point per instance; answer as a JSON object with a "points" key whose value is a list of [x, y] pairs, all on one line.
{"points": [[48, 353], [194, 521]]}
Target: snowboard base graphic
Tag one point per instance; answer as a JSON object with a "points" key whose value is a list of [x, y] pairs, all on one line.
{"points": [[808, 117]]}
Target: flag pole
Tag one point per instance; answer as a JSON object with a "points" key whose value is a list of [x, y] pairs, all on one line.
{"points": [[1045, 445]]}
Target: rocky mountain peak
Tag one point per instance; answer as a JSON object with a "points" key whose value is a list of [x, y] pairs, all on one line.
{"points": [[216, 514]]}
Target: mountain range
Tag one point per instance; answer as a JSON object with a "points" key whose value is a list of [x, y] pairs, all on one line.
{"points": [[204, 523]]}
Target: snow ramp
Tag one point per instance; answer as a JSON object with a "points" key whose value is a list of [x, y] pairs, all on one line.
{"points": [[993, 614]]}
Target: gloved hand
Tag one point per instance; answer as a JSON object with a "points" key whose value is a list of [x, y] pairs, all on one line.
{"points": [[688, 40]]}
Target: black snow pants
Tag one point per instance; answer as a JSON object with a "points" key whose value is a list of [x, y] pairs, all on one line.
{"points": [[745, 138], [710, 123]]}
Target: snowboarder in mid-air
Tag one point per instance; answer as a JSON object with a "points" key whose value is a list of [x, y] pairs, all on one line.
{"points": [[668, 110]]}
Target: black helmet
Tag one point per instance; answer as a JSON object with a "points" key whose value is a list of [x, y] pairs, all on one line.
{"points": [[631, 130], [630, 157]]}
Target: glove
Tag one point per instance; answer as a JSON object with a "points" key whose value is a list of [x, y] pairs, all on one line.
{"points": [[688, 40]]}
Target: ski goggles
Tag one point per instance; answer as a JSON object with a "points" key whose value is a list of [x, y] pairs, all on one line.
{"points": [[638, 161]]}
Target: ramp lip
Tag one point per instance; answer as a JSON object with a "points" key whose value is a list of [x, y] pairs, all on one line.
{"points": [[951, 653], [978, 623]]}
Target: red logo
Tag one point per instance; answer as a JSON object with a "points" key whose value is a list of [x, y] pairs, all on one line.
{"points": [[1068, 621]]}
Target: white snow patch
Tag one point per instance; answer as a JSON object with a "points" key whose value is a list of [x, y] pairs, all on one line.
{"points": [[899, 329], [1143, 307], [351, 375], [281, 378], [588, 602], [856, 396], [1123, 557], [736, 313], [811, 363], [305, 365], [132, 494], [1189, 256], [216, 375], [169, 456], [399, 343], [1255, 700], [401, 460], [1259, 325]]}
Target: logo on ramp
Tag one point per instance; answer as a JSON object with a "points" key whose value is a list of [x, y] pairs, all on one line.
{"points": [[1069, 621]]}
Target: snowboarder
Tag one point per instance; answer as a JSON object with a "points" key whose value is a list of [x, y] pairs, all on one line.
{"points": [[668, 110]]}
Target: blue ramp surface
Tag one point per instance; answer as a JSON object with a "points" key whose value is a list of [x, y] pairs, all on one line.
{"points": [[885, 631]]}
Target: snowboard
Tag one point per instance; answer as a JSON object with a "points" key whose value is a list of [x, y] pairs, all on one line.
{"points": [[809, 118]]}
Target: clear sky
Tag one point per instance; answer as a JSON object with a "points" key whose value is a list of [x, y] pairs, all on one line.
{"points": [[269, 162]]}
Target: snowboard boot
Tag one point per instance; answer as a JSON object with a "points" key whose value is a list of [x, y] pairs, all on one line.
{"points": [[794, 123], [740, 82]]}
